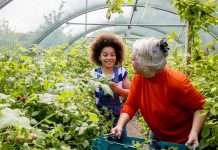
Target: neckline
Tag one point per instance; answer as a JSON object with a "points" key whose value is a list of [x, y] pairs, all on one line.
{"points": [[157, 75], [108, 76]]}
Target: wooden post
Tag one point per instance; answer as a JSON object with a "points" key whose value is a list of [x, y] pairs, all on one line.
{"points": [[188, 43]]}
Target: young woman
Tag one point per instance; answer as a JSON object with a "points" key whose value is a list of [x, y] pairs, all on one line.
{"points": [[167, 100], [107, 51]]}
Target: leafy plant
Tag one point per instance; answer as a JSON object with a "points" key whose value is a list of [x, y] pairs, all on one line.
{"points": [[45, 102]]}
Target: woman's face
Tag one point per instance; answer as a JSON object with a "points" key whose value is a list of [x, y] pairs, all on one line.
{"points": [[108, 57], [146, 71], [137, 68]]}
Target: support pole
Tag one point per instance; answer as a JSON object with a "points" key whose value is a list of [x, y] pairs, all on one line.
{"points": [[188, 43]]}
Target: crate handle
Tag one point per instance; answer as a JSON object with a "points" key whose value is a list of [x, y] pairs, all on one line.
{"points": [[167, 144], [107, 135]]}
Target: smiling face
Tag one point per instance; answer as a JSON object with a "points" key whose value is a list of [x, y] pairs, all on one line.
{"points": [[108, 57]]}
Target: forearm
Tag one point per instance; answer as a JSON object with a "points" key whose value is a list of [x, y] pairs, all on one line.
{"points": [[198, 122], [122, 92], [123, 120]]}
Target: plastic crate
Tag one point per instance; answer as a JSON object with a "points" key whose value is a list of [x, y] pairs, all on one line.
{"points": [[168, 145], [107, 142]]}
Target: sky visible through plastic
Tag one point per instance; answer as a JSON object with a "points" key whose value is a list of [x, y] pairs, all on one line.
{"points": [[88, 18]]}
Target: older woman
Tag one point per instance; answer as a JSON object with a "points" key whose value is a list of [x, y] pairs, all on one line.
{"points": [[166, 99]]}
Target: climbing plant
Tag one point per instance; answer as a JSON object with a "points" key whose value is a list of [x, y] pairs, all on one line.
{"points": [[115, 7], [197, 14]]}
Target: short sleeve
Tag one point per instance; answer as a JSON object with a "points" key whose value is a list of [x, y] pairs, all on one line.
{"points": [[124, 73]]}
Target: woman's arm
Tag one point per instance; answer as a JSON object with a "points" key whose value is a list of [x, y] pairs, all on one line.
{"points": [[197, 124], [122, 91], [123, 120]]}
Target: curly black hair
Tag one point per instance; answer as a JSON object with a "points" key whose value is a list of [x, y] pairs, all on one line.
{"points": [[104, 40]]}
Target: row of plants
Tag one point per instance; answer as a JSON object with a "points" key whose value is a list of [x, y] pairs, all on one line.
{"points": [[203, 74], [45, 101]]}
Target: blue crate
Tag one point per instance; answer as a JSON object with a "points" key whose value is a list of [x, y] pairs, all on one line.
{"points": [[169, 145], [107, 142]]}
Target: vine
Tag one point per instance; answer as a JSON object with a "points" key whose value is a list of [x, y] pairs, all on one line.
{"points": [[197, 14]]}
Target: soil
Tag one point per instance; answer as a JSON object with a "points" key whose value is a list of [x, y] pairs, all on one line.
{"points": [[134, 128]]}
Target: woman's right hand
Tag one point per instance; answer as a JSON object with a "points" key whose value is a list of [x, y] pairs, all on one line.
{"points": [[117, 131], [112, 84]]}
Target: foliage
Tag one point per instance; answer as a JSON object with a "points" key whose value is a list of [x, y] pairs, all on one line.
{"points": [[7, 36], [57, 36], [95, 84], [127, 63], [198, 14], [203, 64], [45, 102], [203, 75], [115, 7]]}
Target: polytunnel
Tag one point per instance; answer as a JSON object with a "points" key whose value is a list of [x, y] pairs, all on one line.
{"points": [[49, 23], [61, 88]]}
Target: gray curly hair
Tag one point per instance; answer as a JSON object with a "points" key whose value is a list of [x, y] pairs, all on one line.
{"points": [[149, 53]]}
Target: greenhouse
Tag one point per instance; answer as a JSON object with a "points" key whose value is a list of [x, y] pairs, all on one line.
{"points": [[47, 57]]}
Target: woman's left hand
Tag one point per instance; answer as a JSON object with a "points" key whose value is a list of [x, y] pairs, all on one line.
{"points": [[192, 141]]}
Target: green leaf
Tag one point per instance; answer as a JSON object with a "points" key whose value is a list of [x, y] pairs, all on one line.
{"points": [[85, 143], [213, 111], [3, 96], [6, 146], [107, 90], [93, 117], [93, 85], [12, 117], [35, 113], [213, 90], [46, 98], [67, 137], [81, 130], [66, 118], [203, 112], [25, 133], [205, 132]]}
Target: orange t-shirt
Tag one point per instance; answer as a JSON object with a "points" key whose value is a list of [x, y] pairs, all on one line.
{"points": [[167, 102]]}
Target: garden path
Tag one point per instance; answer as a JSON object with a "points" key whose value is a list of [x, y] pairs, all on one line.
{"points": [[133, 128]]}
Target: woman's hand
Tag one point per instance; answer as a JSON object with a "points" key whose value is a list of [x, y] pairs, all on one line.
{"points": [[198, 121], [192, 141], [112, 85], [117, 89], [117, 131]]}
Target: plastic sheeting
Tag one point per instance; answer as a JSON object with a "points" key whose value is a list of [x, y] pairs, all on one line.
{"points": [[53, 22]]}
